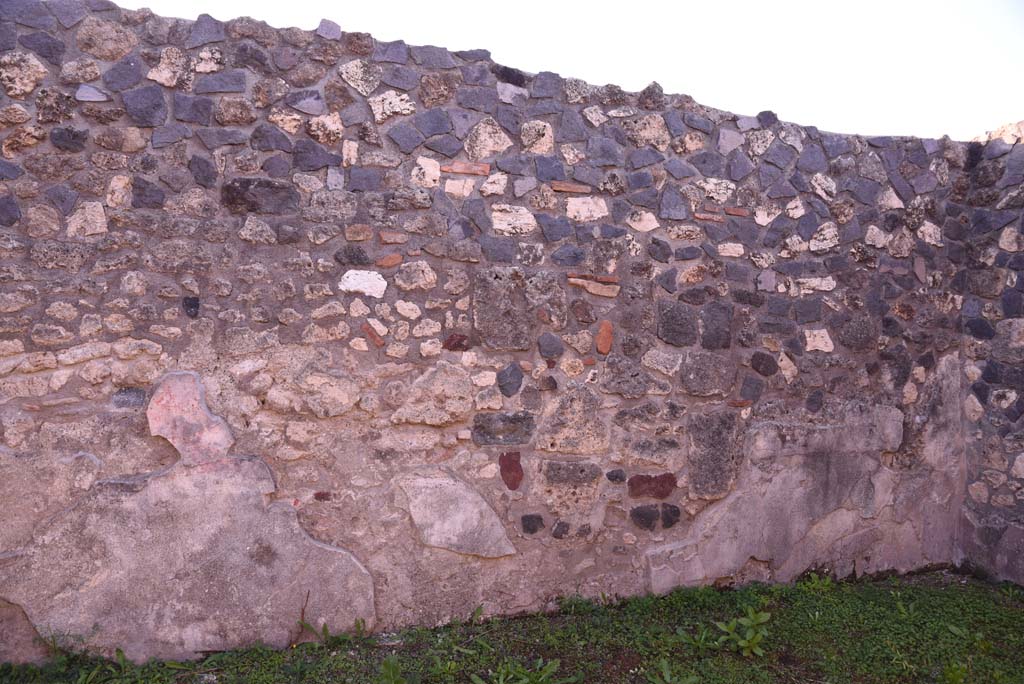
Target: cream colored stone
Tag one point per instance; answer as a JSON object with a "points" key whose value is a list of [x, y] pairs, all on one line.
{"points": [[389, 104], [426, 173], [584, 209], [459, 188], [731, 249], [508, 219], [537, 137], [1011, 239], [494, 185], [486, 139], [90, 219], [818, 340], [825, 238], [642, 221], [369, 283], [362, 75]]}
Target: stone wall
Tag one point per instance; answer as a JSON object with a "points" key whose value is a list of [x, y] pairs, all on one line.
{"points": [[304, 323]]}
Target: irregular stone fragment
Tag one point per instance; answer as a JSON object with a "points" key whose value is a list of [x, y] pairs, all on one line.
{"points": [[173, 68], [146, 106], [818, 340], [369, 283], [486, 139], [704, 374], [573, 424], [537, 137], [441, 396], [510, 379], [503, 429], [532, 523], [362, 75], [677, 323], [714, 455], [178, 412], [90, 219], [389, 104], [654, 486], [573, 473], [501, 315], [105, 39], [511, 469], [259, 195], [415, 275], [645, 517], [584, 209], [20, 73], [10, 212], [507, 219], [258, 232]]}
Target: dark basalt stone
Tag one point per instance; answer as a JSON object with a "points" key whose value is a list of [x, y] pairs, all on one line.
{"points": [[129, 397], [190, 305], [764, 363], [193, 109], [309, 156], [146, 195], [229, 81], [69, 139], [266, 137], [124, 74], [618, 476], [203, 170], [677, 323], [571, 472], [10, 213], [532, 523], [503, 429], [550, 346], [259, 195], [645, 517], [44, 45], [146, 106], [510, 379], [670, 515], [716, 325]]}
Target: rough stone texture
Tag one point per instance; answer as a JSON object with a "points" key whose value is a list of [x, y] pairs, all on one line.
{"points": [[436, 306], [450, 514], [177, 412]]}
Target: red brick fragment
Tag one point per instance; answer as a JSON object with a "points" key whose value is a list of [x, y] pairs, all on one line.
{"points": [[604, 338], [389, 260], [511, 469], [469, 168], [372, 334], [654, 486]]}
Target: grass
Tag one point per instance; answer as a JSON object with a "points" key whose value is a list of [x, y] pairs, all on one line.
{"points": [[933, 627]]}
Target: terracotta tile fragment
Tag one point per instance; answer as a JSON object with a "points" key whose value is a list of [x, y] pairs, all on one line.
{"points": [[605, 336], [469, 168]]}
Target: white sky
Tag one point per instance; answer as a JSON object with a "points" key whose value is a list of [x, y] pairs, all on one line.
{"points": [[914, 67]]}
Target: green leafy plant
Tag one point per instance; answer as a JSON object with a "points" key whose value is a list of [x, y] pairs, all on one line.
{"points": [[701, 640], [390, 672], [512, 672], [906, 610], [745, 634], [1012, 591], [664, 673], [816, 584], [954, 673]]}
